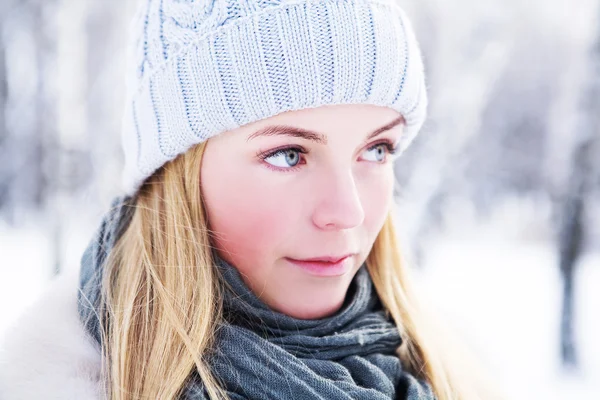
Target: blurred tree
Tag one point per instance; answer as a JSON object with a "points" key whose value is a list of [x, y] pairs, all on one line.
{"points": [[582, 176], [471, 52], [4, 185], [33, 149], [21, 147]]}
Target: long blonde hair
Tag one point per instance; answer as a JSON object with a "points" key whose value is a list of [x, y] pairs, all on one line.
{"points": [[162, 297]]}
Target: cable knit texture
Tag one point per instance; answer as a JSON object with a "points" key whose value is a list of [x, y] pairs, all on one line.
{"points": [[198, 68], [263, 354]]}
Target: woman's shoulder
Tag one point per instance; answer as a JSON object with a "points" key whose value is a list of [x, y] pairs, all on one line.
{"points": [[47, 353]]}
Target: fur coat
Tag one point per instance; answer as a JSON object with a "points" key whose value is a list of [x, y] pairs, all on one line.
{"points": [[47, 354]]}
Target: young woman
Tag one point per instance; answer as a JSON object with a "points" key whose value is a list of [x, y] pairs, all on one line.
{"points": [[253, 254]]}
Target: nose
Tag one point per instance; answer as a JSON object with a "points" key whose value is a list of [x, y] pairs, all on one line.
{"points": [[338, 205]]}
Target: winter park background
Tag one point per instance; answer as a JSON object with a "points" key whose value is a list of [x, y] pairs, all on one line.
{"points": [[498, 197]]}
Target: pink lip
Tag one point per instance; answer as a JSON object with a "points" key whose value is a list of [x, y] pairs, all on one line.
{"points": [[324, 266], [325, 259]]}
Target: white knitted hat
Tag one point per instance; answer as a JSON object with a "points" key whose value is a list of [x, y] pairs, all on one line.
{"points": [[199, 68]]}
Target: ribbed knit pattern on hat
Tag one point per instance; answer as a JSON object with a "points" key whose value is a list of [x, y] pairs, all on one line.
{"points": [[198, 68]]}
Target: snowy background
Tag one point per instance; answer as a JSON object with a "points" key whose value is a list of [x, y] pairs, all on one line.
{"points": [[498, 199]]}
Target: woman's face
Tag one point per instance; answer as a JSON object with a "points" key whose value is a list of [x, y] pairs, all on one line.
{"points": [[309, 184]]}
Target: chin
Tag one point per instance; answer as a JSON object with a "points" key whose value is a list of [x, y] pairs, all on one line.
{"points": [[316, 311]]}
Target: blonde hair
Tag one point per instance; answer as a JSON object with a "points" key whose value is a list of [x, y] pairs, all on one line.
{"points": [[162, 299]]}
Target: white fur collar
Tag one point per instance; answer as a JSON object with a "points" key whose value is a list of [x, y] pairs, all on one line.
{"points": [[47, 354]]}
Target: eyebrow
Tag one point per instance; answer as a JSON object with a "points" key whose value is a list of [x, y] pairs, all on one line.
{"points": [[285, 130]]}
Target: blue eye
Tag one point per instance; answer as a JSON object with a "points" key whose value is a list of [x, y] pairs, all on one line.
{"points": [[380, 151], [284, 158]]}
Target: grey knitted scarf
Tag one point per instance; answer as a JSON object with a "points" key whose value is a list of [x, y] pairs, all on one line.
{"points": [[263, 354]]}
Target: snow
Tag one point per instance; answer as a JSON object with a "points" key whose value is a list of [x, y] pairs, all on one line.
{"points": [[501, 290], [504, 299], [26, 253], [23, 259]]}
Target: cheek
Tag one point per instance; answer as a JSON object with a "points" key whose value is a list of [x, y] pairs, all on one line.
{"points": [[248, 220], [376, 196]]}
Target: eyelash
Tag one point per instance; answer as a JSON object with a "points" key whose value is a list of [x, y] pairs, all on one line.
{"points": [[388, 145], [391, 149], [276, 152]]}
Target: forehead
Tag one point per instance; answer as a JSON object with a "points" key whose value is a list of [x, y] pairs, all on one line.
{"points": [[358, 118]]}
